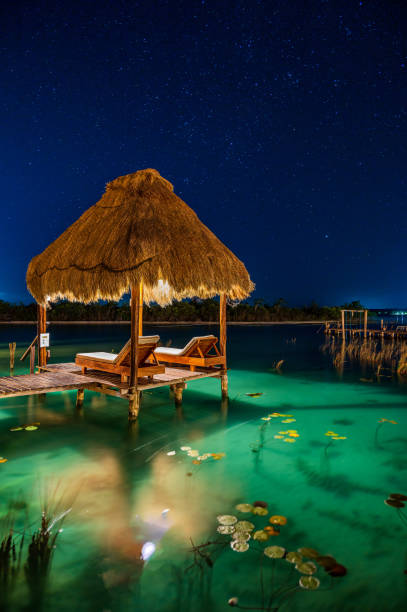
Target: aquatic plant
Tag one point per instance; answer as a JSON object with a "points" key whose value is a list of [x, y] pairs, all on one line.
{"points": [[288, 571], [10, 564], [381, 422], [28, 427], [397, 501], [383, 357]]}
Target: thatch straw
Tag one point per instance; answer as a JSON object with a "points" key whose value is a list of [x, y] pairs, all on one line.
{"points": [[138, 231]]}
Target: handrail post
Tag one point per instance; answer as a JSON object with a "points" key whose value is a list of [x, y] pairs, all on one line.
{"points": [[134, 394], [222, 343], [41, 329]]}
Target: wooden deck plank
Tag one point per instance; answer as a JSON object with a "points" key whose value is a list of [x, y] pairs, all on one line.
{"points": [[68, 376]]}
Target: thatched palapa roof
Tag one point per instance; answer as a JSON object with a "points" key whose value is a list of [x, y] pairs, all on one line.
{"points": [[140, 230]]}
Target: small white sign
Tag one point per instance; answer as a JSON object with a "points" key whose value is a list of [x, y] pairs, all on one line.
{"points": [[44, 340]]}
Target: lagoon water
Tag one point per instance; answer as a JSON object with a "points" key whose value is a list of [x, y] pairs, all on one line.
{"points": [[127, 497]]}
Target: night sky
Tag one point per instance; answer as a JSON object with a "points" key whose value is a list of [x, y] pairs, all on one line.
{"points": [[281, 123]]}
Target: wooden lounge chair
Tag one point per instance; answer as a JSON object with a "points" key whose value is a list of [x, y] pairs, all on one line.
{"points": [[120, 363], [196, 353]]}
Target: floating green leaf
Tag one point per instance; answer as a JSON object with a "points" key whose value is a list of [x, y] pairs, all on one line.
{"points": [[260, 511], [306, 568], [242, 525], [244, 507], [309, 582], [274, 552], [260, 535], [226, 529], [239, 545], [241, 535], [293, 557], [227, 519]]}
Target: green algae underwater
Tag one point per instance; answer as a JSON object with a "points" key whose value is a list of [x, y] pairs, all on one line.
{"points": [[132, 516]]}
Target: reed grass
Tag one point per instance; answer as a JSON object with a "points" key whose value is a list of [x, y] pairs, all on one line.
{"points": [[383, 357]]}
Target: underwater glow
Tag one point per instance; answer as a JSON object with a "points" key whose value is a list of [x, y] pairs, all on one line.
{"points": [[147, 550]]}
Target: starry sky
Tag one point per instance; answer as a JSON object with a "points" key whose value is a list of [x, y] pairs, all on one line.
{"points": [[281, 123]]}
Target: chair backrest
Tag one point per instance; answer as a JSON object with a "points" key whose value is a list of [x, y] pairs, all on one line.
{"points": [[205, 343], [146, 346]]}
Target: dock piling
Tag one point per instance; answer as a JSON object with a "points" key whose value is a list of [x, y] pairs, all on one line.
{"points": [[224, 385], [80, 396], [134, 405], [32, 358], [12, 347], [178, 390]]}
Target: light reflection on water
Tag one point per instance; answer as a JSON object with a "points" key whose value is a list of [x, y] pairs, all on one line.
{"points": [[128, 491]]}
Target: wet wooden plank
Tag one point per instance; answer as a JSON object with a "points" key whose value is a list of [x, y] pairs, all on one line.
{"points": [[68, 376]]}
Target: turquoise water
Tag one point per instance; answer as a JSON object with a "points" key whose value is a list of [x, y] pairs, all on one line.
{"points": [[122, 490]]}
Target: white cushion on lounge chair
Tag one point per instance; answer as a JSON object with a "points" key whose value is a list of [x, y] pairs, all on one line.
{"points": [[101, 356], [110, 357], [164, 350]]}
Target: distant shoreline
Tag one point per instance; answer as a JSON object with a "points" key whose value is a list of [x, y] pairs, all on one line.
{"points": [[166, 322]]}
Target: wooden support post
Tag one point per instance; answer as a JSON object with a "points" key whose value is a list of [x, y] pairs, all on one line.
{"points": [[80, 396], [343, 323], [140, 321], [178, 390], [222, 343], [32, 358], [365, 325], [134, 395], [12, 347], [41, 329], [134, 405]]}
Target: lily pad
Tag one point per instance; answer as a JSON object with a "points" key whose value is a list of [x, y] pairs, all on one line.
{"points": [[239, 545], [276, 519], [243, 526], [185, 448], [309, 582], [30, 428], [193, 453], [241, 535], [17, 428], [227, 519], [261, 535], [311, 553], [293, 557], [261, 504], [3, 460], [306, 568], [326, 561], [274, 552], [337, 571], [398, 496], [394, 503], [260, 511], [244, 507], [225, 529], [254, 394]]}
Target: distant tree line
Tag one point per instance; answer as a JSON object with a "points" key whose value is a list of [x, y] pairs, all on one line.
{"points": [[188, 310]]}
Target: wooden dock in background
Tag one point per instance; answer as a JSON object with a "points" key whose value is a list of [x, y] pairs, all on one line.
{"points": [[68, 377]]}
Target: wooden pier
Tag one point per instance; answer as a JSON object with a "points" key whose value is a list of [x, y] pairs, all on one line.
{"points": [[68, 377]]}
